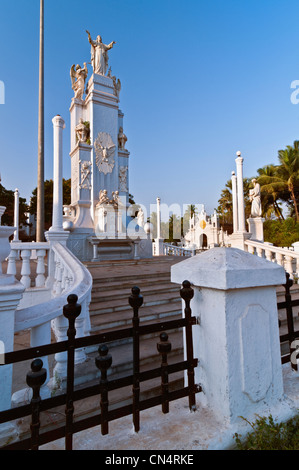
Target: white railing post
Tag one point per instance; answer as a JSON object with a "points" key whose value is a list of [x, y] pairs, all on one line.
{"points": [[11, 292], [26, 269], [235, 291], [289, 265], [40, 269], [11, 266], [60, 327]]}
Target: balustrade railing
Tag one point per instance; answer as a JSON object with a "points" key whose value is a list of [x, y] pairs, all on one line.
{"points": [[25, 252], [57, 275], [173, 250], [286, 258]]}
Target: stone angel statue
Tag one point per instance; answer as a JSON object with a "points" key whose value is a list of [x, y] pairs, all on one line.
{"points": [[78, 77]]}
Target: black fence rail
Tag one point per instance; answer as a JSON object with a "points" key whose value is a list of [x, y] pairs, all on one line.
{"points": [[291, 335], [38, 376]]}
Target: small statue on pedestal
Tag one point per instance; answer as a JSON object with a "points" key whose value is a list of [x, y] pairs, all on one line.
{"points": [[122, 138], [255, 198], [104, 199], [82, 131], [78, 77]]}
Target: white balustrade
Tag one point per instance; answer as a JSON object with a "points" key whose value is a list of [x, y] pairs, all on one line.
{"points": [[284, 257], [43, 300], [173, 250], [28, 253]]}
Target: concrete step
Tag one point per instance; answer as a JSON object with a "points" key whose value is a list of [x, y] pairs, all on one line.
{"points": [[127, 323], [123, 291], [160, 260], [117, 305], [122, 357], [130, 280]]}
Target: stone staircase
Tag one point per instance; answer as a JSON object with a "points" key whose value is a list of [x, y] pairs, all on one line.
{"points": [[110, 309]]}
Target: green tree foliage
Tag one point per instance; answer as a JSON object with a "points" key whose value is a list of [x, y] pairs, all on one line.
{"points": [[225, 203], [49, 199], [7, 200], [281, 182], [176, 227], [271, 191], [281, 232]]}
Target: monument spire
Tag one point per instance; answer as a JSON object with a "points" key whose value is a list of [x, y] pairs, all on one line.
{"points": [[40, 171]]}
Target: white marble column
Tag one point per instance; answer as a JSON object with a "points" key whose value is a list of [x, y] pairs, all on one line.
{"points": [[159, 241], [11, 292], [16, 216], [158, 218], [235, 202], [240, 192], [57, 217]]}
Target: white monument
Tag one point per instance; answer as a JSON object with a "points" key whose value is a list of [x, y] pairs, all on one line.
{"points": [[97, 216]]}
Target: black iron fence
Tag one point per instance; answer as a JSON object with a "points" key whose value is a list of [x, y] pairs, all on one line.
{"points": [[38, 376], [292, 335]]}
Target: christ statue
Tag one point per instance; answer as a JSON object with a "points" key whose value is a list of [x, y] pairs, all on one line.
{"points": [[99, 54]]}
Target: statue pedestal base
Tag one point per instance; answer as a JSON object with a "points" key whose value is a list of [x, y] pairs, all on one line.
{"points": [[237, 239], [256, 228]]}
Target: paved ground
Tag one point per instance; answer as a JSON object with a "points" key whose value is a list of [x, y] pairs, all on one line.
{"points": [[181, 429]]}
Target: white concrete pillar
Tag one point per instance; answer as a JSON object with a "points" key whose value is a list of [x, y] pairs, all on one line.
{"points": [[16, 216], [57, 217], [159, 241], [240, 191], [235, 202], [158, 217], [237, 339], [11, 292]]}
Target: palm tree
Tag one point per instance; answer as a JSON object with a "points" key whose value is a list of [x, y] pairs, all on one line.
{"points": [[269, 190], [225, 204], [288, 170], [282, 181]]}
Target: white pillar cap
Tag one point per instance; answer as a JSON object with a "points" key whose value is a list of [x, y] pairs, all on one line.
{"points": [[228, 268], [58, 121]]}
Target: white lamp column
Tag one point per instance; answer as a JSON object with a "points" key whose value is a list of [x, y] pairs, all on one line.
{"points": [[57, 217], [56, 232], [240, 192], [16, 216], [235, 202], [159, 241], [158, 218]]}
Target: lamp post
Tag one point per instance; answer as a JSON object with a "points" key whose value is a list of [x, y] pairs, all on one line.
{"points": [[40, 171]]}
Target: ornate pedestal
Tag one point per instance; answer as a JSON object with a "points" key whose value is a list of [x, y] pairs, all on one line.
{"points": [[256, 228]]}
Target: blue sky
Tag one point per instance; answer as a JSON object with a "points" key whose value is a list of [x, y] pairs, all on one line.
{"points": [[200, 80]]}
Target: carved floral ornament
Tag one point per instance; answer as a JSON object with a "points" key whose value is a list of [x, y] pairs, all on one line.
{"points": [[105, 152]]}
